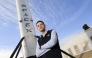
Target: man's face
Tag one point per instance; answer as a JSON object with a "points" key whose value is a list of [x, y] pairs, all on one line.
{"points": [[40, 26]]}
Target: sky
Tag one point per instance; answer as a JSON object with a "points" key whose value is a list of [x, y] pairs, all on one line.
{"points": [[66, 17]]}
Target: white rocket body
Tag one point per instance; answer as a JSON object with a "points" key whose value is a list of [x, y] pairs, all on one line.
{"points": [[26, 28]]}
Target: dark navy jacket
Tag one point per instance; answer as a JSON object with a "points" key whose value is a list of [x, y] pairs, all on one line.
{"points": [[48, 45]]}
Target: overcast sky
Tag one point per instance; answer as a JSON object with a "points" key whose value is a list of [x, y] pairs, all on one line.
{"points": [[65, 16]]}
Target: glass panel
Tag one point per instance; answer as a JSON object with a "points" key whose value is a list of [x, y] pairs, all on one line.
{"points": [[85, 45], [91, 38], [70, 52], [65, 56], [76, 49]]}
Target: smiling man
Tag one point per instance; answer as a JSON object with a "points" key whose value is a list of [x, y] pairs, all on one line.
{"points": [[47, 44]]}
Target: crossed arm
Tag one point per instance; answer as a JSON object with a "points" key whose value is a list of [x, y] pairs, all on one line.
{"points": [[51, 42]]}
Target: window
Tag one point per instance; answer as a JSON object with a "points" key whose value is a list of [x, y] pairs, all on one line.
{"points": [[76, 49], [85, 45], [65, 56], [70, 52], [91, 38]]}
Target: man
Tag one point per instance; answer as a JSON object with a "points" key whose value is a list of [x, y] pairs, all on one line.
{"points": [[47, 44]]}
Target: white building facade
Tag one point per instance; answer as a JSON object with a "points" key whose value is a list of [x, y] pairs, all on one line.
{"points": [[80, 45]]}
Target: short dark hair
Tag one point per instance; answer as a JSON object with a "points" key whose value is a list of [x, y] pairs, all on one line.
{"points": [[39, 21]]}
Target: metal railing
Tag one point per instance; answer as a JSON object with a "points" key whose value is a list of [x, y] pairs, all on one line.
{"points": [[67, 53], [18, 47]]}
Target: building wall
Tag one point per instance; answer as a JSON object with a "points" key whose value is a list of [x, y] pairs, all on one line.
{"points": [[80, 43], [85, 55]]}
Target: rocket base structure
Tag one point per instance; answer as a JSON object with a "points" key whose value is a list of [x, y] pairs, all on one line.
{"points": [[26, 28]]}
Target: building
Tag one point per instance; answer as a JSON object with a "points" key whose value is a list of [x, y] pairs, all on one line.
{"points": [[80, 45]]}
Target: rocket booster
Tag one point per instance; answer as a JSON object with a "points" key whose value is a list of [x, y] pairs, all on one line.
{"points": [[26, 28]]}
